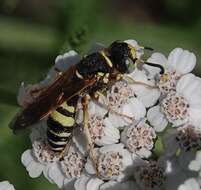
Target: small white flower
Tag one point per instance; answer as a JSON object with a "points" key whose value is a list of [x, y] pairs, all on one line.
{"points": [[63, 62], [189, 137], [139, 139], [51, 171], [175, 108], [190, 184], [182, 144], [145, 90], [101, 130], [149, 176], [113, 162], [179, 62], [32, 165], [184, 139], [73, 163], [5, 185], [119, 95], [182, 106], [132, 111], [41, 159]]}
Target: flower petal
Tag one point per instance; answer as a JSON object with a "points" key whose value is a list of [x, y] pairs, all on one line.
{"points": [[157, 58], [5, 185], [27, 157], [194, 116], [189, 86], [190, 184], [34, 168], [94, 184], [56, 175], [139, 50], [181, 60], [156, 118], [63, 62], [195, 165], [145, 94], [134, 108], [113, 185], [80, 183]]}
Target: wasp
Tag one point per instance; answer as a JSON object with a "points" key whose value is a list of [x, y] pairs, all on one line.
{"points": [[94, 72]]}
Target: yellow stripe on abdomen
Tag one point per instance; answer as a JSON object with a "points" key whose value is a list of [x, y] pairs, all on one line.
{"points": [[65, 106], [62, 119]]}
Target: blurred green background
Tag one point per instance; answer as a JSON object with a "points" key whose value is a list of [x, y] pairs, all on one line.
{"points": [[34, 32]]}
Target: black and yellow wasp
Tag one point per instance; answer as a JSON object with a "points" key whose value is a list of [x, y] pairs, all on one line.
{"points": [[58, 101]]}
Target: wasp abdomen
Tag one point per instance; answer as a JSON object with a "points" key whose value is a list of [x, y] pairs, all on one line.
{"points": [[60, 126]]}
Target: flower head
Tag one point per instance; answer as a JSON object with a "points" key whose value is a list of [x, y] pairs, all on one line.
{"points": [[5, 185], [112, 162], [150, 176], [181, 107], [72, 163], [139, 139], [179, 63]]}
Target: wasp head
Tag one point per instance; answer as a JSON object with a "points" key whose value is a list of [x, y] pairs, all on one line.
{"points": [[123, 56]]}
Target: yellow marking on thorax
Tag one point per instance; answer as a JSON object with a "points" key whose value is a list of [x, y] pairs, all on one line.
{"points": [[119, 76], [105, 76], [63, 120], [106, 58], [133, 51], [65, 106]]}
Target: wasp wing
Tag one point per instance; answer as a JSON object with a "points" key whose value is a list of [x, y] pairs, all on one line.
{"points": [[62, 89]]}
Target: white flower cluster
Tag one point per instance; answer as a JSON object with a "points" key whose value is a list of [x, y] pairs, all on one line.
{"points": [[146, 130], [5, 185]]}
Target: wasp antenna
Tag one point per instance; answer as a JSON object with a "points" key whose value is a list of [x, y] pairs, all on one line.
{"points": [[156, 65], [149, 48]]}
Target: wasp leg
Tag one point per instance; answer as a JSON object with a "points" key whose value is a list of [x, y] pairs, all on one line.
{"points": [[131, 81], [96, 99], [92, 154], [66, 149]]}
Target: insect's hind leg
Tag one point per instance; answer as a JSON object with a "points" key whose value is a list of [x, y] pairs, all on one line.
{"points": [[92, 154]]}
